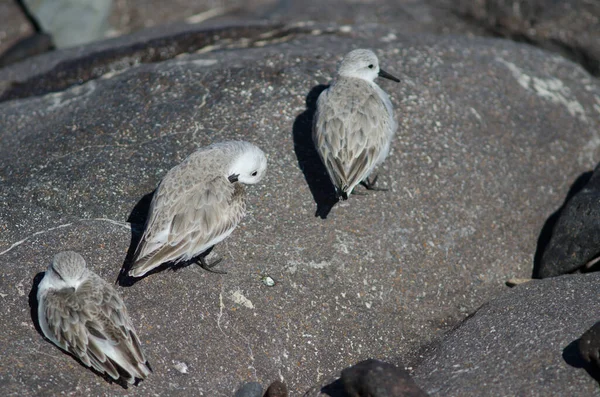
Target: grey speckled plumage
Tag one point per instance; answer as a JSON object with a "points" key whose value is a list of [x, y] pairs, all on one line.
{"points": [[198, 204], [85, 316], [354, 122]]}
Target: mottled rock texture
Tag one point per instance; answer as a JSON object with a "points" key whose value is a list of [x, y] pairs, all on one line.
{"points": [[523, 343], [491, 136]]}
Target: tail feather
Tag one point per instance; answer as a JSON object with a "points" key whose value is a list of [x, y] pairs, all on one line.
{"points": [[166, 253]]}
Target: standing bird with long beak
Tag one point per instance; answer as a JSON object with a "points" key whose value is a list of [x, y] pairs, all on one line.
{"points": [[84, 315], [197, 205], [354, 123]]}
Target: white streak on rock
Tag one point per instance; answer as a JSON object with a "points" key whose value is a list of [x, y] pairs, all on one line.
{"points": [[551, 89], [240, 299]]}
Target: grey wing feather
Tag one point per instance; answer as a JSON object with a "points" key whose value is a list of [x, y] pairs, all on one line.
{"points": [[350, 132], [92, 324], [189, 222]]}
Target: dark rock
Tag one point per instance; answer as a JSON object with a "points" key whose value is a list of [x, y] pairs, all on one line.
{"points": [[250, 389], [520, 343], [277, 389], [373, 378], [589, 345], [486, 149], [575, 236]]}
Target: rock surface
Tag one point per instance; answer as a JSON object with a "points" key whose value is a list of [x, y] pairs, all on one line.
{"points": [[523, 343], [486, 149], [567, 27]]}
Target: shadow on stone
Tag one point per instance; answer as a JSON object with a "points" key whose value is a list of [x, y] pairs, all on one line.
{"points": [[137, 220], [548, 228], [308, 159], [572, 356], [33, 302]]}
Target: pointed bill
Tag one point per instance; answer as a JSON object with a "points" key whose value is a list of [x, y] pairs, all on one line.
{"points": [[386, 75]]}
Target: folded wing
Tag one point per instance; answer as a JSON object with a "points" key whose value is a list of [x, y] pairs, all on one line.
{"points": [[185, 224], [350, 133], [92, 324]]}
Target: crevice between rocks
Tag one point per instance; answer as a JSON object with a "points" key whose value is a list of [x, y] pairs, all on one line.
{"points": [[79, 70]]}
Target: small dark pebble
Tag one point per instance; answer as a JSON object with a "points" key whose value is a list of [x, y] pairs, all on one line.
{"points": [[249, 389], [373, 378], [277, 389]]}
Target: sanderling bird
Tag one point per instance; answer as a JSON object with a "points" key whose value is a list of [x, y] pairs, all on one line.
{"points": [[84, 315], [354, 123], [198, 204]]}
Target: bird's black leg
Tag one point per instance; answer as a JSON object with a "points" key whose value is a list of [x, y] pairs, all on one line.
{"points": [[370, 184], [201, 261]]}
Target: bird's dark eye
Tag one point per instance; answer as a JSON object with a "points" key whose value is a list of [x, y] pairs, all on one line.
{"points": [[370, 66], [254, 173]]}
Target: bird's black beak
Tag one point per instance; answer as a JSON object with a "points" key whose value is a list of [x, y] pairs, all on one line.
{"points": [[386, 75], [233, 178]]}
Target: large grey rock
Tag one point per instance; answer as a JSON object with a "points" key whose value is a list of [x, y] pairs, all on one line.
{"points": [[523, 343], [491, 134]]}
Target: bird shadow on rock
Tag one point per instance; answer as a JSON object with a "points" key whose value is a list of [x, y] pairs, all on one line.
{"points": [[33, 302], [310, 163], [546, 232], [33, 310], [137, 219], [572, 356]]}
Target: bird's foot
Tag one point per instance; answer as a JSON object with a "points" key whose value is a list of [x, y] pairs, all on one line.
{"points": [[209, 266], [370, 184]]}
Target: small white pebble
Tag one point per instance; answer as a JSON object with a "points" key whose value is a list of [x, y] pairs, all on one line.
{"points": [[268, 281], [180, 366]]}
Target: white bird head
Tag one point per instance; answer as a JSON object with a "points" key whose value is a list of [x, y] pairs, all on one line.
{"points": [[250, 164], [363, 64], [67, 270]]}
